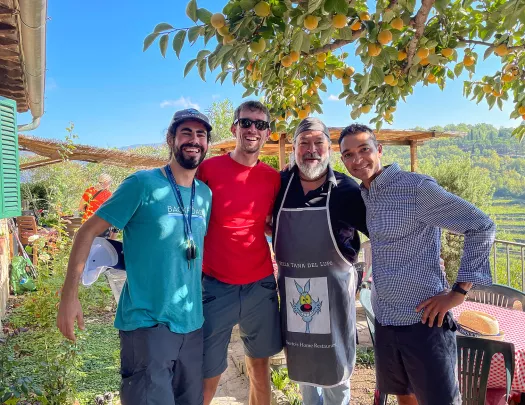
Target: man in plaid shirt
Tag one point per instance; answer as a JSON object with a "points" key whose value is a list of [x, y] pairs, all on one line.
{"points": [[405, 213]]}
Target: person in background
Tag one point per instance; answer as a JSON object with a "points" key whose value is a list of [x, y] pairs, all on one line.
{"points": [[95, 196]]}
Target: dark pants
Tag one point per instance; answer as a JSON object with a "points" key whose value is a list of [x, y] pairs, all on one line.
{"points": [[420, 360], [159, 367]]}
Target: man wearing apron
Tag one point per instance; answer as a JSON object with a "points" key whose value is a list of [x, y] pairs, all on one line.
{"points": [[316, 217]]}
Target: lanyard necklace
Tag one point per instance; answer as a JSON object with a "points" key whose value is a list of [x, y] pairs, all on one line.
{"points": [[191, 249]]}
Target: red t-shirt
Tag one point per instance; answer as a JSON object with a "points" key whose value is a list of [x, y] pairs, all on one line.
{"points": [[235, 248], [94, 204]]}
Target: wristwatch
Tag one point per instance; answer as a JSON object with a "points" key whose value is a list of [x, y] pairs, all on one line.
{"points": [[458, 289]]}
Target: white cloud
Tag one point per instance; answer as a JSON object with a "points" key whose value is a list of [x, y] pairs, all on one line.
{"points": [[181, 102], [333, 97]]}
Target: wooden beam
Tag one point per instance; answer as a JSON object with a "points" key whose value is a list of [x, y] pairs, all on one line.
{"points": [[39, 163], [413, 156], [282, 151]]}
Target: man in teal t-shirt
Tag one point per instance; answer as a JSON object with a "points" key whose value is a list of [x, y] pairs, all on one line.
{"points": [[160, 309]]}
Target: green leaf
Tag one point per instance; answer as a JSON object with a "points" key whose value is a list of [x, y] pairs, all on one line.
{"points": [[162, 27], [441, 5], [377, 76], [163, 44], [209, 33], [193, 33], [189, 66], [202, 69], [305, 46], [178, 41], [329, 6], [221, 76], [248, 92], [297, 41], [365, 82], [341, 6], [204, 15], [314, 5], [435, 59], [488, 52], [149, 40], [235, 76], [490, 101], [450, 74], [458, 69], [191, 10], [346, 33]]}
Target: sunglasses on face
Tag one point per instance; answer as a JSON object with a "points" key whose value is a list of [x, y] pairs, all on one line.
{"points": [[247, 123]]}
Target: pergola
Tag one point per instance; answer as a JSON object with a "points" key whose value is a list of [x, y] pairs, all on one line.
{"points": [[411, 138], [56, 152]]}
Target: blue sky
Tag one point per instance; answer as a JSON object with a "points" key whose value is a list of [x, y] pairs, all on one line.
{"points": [[116, 95]]}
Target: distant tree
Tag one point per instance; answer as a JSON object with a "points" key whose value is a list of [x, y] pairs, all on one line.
{"points": [[459, 176], [221, 117]]}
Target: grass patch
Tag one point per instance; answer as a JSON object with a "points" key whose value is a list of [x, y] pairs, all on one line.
{"points": [[282, 382], [58, 371]]}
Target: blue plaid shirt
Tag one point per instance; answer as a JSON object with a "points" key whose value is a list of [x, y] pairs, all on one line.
{"points": [[404, 214]]}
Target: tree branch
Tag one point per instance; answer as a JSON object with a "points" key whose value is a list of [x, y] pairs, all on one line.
{"points": [[419, 23], [475, 42], [338, 43]]}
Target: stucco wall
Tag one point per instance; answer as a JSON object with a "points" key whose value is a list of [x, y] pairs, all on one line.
{"points": [[4, 268]]}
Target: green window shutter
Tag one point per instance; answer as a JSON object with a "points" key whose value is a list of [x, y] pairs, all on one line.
{"points": [[10, 205]]}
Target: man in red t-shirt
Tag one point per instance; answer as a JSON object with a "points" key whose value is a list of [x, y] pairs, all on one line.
{"points": [[94, 197], [238, 282]]}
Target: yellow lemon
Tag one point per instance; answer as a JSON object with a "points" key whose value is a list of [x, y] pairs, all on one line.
{"points": [[274, 136], [339, 21], [311, 22], [431, 78], [262, 9], [507, 77], [374, 49], [224, 30], [339, 73], [384, 37], [389, 79], [521, 110], [258, 46], [401, 55], [321, 57], [286, 61], [422, 53], [397, 23], [345, 80], [366, 108], [469, 60], [356, 26], [501, 50], [217, 20], [228, 39], [302, 114], [295, 56], [447, 52], [349, 71], [364, 16]]}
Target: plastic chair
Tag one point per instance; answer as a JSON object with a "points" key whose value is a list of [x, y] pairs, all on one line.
{"points": [[365, 297], [474, 358], [498, 295], [27, 228]]}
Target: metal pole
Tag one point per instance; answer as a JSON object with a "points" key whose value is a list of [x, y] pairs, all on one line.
{"points": [[522, 272], [495, 266], [508, 265]]}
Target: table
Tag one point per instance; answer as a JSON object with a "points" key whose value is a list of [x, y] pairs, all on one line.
{"points": [[512, 322]]}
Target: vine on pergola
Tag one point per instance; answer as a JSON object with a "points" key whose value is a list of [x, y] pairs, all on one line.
{"points": [[285, 50]]}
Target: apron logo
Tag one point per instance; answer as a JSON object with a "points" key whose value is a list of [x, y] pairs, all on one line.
{"points": [[305, 306]]}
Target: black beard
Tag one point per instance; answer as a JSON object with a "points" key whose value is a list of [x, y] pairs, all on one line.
{"points": [[189, 163]]}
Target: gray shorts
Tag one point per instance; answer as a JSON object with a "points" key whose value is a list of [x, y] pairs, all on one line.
{"points": [[159, 367], [253, 306], [418, 359]]}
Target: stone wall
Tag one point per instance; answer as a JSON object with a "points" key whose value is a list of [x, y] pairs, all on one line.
{"points": [[4, 267]]}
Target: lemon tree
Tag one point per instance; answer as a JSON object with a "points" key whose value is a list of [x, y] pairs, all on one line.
{"points": [[286, 50]]}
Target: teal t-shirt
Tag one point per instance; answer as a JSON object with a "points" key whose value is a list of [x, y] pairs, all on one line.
{"points": [[159, 287]]}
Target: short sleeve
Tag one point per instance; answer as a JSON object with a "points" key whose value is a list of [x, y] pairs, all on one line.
{"points": [[121, 206]]}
